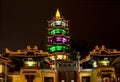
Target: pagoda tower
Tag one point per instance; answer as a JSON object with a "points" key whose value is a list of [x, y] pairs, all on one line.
{"points": [[58, 35]]}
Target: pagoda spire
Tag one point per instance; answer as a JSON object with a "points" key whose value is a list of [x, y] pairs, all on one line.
{"points": [[57, 13]]}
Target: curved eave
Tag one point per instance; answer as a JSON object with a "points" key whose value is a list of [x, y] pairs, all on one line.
{"points": [[56, 19], [58, 35], [104, 55], [5, 59], [62, 27], [24, 55], [58, 44]]}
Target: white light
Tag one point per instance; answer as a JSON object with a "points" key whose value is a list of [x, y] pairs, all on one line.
{"points": [[105, 58], [94, 64]]}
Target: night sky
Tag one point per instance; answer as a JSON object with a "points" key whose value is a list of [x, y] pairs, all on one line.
{"points": [[24, 22]]}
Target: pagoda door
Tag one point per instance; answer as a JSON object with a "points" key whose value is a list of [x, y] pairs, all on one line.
{"points": [[29, 78], [67, 76]]}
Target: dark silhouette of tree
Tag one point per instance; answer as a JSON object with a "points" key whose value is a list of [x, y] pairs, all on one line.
{"points": [[79, 46]]}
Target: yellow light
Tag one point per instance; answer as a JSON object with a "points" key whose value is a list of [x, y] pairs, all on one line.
{"points": [[59, 57], [52, 57], [105, 63], [52, 66], [30, 63], [57, 14], [1, 69]]}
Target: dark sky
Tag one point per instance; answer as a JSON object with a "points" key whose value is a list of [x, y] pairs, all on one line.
{"points": [[24, 22]]}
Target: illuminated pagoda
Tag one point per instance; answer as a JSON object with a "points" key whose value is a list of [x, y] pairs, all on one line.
{"points": [[58, 32]]}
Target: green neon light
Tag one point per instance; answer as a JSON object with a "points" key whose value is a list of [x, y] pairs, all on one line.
{"points": [[55, 48], [58, 31], [52, 49], [59, 47]]}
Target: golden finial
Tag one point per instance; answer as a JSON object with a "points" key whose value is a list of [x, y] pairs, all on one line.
{"points": [[28, 47], [7, 50], [103, 47], [57, 14], [96, 47], [35, 47]]}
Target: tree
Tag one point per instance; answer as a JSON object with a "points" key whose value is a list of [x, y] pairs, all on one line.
{"points": [[79, 46]]}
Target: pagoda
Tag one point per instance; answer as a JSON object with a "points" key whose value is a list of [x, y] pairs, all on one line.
{"points": [[58, 35]]}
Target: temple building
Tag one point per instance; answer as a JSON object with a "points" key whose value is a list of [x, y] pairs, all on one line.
{"points": [[4, 64], [35, 65], [103, 62]]}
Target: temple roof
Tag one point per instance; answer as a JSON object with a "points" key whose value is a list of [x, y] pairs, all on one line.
{"points": [[28, 52], [103, 51], [5, 60]]}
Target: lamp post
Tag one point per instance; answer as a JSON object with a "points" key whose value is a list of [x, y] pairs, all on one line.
{"points": [[5, 71], [78, 65], [55, 56]]}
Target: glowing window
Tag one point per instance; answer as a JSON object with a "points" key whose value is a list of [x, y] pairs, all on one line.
{"points": [[58, 31], [52, 48], [30, 62], [58, 23], [58, 47], [58, 39]]}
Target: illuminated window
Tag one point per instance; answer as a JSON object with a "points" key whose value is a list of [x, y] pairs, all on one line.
{"points": [[59, 57], [52, 48], [58, 23], [58, 31], [58, 39], [104, 62], [58, 47], [30, 62]]}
